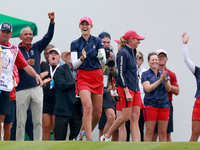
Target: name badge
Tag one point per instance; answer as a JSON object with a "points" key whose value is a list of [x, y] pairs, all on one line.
{"points": [[51, 84], [105, 80]]}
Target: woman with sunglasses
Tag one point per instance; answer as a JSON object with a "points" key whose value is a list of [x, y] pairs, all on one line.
{"points": [[87, 52], [140, 60], [128, 88], [156, 84], [196, 109]]}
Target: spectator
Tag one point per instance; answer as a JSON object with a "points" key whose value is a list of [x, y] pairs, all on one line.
{"points": [[140, 60], [27, 88], [108, 113], [67, 107], [12, 55], [46, 53], [49, 93]]}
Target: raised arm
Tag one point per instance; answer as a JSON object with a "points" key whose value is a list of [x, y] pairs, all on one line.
{"points": [[51, 17], [188, 62], [49, 35]]}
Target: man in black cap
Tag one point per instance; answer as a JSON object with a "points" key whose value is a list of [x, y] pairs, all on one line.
{"points": [[108, 113]]}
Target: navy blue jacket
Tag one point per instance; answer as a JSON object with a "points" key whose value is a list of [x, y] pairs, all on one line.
{"points": [[66, 100], [91, 47], [197, 75], [26, 81], [158, 97], [127, 69]]}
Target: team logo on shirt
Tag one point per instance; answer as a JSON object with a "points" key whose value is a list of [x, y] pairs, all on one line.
{"points": [[2, 80], [5, 60], [32, 52]]}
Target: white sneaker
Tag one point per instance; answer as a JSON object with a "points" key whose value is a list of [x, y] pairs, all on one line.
{"points": [[84, 137], [79, 137], [104, 139]]}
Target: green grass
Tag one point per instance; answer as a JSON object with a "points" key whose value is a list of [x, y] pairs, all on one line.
{"points": [[86, 145]]}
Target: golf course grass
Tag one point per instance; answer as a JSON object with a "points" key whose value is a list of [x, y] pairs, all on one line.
{"points": [[87, 145]]}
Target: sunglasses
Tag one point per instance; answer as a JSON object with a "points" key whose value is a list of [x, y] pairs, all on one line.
{"points": [[140, 57]]}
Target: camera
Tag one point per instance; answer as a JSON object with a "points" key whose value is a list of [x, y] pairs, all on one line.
{"points": [[116, 97], [110, 63]]}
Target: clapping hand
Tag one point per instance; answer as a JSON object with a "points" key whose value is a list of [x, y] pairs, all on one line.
{"points": [[163, 75], [83, 57]]}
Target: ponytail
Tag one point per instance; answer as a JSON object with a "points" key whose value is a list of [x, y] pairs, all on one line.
{"points": [[123, 42]]}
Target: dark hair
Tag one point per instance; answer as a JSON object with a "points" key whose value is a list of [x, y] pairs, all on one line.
{"points": [[106, 35], [150, 54]]}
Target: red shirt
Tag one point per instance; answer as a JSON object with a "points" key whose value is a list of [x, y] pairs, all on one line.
{"points": [[16, 78], [20, 44], [20, 60], [173, 82]]}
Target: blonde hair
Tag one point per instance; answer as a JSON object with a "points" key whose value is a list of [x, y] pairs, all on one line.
{"points": [[137, 52], [123, 42]]}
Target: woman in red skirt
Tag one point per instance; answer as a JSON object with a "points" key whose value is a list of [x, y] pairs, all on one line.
{"points": [[87, 52]]}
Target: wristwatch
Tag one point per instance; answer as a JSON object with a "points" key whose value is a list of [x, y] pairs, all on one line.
{"points": [[36, 75]]}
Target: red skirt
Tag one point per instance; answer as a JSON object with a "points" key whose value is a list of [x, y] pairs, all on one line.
{"points": [[91, 80], [196, 110], [137, 100]]}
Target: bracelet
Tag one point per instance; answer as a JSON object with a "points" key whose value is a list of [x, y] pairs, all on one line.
{"points": [[81, 59], [36, 75]]}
